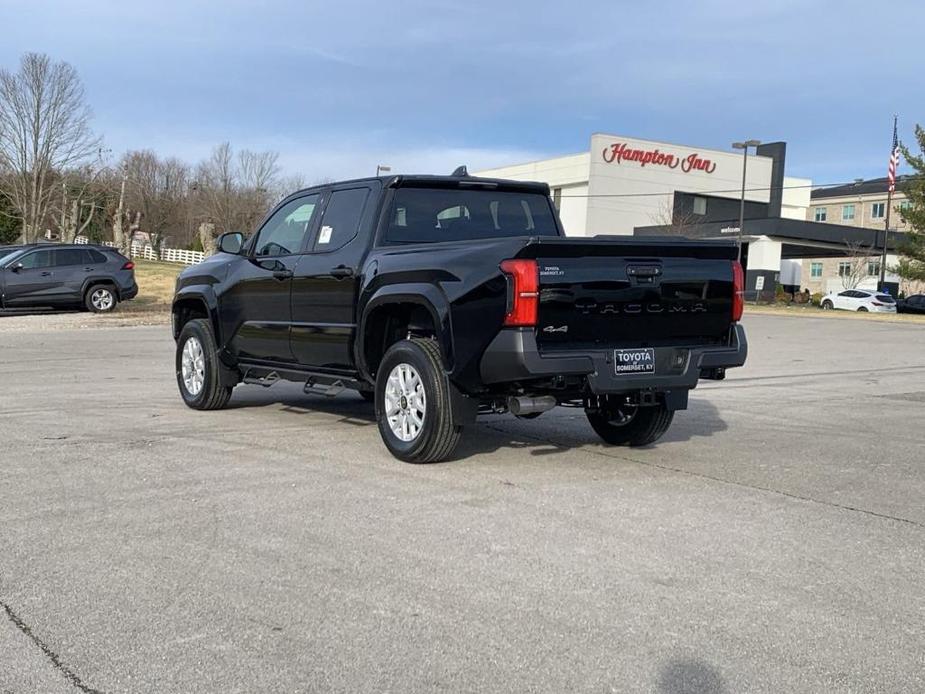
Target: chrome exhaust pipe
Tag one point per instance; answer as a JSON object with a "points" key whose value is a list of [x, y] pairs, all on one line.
{"points": [[521, 405]]}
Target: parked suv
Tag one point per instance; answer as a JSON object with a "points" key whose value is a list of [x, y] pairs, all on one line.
{"points": [[63, 276], [442, 297]]}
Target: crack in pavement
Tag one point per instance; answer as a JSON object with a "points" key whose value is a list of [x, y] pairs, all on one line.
{"points": [[69, 674], [713, 478]]}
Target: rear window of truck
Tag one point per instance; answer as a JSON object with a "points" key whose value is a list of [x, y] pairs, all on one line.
{"points": [[429, 215]]}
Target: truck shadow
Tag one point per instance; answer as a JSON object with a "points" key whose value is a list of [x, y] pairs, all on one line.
{"points": [[349, 406], [552, 433], [690, 676], [562, 430]]}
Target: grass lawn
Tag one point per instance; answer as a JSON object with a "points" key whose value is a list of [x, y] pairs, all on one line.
{"points": [[156, 281], [808, 310]]}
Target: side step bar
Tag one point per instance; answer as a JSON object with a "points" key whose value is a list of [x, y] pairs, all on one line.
{"points": [[330, 390], [329, 385]]}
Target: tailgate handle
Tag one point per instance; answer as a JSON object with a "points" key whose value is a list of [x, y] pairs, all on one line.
{"points": [[643, 271]]}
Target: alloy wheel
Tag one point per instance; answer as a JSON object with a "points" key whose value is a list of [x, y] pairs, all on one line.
{"points": [[193, 366], [405, 402]]}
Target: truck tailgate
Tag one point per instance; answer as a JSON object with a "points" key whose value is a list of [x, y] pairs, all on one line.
{"points": [[596, 294]]}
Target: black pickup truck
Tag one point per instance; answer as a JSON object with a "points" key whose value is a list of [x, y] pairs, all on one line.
{"points": [[443, 297]]}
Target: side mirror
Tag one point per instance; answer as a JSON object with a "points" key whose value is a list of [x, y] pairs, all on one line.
{"points": [[232, 242], [16, 267]]}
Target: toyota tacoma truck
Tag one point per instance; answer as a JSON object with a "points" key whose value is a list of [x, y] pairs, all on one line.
{"points": [[440, 298]]}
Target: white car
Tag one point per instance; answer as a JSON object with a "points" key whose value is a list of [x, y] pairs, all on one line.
{"points": [[859, 300]]}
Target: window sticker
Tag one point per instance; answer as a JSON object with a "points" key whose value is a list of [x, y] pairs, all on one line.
{"points": [[325, 235]]}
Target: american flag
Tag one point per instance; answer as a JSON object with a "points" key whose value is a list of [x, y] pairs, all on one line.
{"points": [[894, 160]]}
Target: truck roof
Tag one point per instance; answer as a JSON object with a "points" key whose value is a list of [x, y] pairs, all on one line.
{"points": [[434, 181]]}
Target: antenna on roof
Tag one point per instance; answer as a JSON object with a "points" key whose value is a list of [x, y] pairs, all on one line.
{"points": [[460, 171]]}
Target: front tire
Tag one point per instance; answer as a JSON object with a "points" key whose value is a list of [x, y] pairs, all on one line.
{"points": [[198, 368], [413, 407], [827, 305], [630, 425]]}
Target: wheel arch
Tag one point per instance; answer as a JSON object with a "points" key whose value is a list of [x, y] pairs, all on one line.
{"points": [[392, 312], [102, 280], [189, 305]]}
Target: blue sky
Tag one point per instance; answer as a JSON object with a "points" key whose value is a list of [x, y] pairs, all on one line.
{"points": [[337, 87]]}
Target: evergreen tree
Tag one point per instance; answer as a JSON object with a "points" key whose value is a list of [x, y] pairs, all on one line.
{"points": [[10, 225], [912, 252]]}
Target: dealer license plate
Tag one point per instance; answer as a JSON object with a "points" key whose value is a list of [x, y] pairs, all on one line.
{"points": [[634, 361]]}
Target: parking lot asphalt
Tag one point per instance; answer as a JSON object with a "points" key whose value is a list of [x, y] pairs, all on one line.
{"points": [[773, 541]]}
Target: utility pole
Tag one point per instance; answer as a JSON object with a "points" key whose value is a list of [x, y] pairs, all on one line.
{"points": [[744, 147]]}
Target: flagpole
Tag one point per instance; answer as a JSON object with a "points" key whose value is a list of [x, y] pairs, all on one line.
{"points": [[889, 209], [886, 234]]}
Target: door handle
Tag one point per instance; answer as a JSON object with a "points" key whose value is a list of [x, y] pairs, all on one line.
{"points": [[341, 271], [45, 274], [282, 274]]}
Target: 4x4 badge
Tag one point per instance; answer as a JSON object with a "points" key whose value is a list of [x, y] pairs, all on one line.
{"points": [[550, 329]]}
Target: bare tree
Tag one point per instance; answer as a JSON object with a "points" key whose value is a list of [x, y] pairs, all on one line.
{"points": [[156, 191], [676, 221], [288, 185], [853, 269], [44, 128], [82, 197], [233, 194], [258, 173], [216, 187]]}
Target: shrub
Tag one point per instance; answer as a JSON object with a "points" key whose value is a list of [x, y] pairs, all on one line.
{"points": [[817, 298]]}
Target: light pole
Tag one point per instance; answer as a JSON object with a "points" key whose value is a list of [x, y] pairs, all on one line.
{"points": [[382, 168], [744, 147]]}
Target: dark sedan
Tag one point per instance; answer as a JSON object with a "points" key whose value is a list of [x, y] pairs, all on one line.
{"points": [[912, 304]]}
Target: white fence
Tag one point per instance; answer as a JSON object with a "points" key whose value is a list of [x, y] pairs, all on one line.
{"points": [[85, 240], [180, 255], [149, 252]]}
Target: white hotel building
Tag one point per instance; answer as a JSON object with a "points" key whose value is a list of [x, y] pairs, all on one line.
{"points": [[625, 186]]}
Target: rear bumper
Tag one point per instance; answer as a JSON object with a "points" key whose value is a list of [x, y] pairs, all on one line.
{"points": [[129, 293], [514, 356]]}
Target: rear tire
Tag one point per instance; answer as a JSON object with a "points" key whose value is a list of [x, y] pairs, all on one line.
{"points": [[413, 407], [827, 305], [863, 309], [198, 368], [631, 425], [101, 298]]}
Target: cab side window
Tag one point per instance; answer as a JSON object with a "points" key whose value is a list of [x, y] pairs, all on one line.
{"points": [[38, 259], [285, 232], [341, 220]]}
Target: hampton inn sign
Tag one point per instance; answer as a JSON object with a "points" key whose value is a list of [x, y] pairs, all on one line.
{"points": [[620, 183], [619, 152]]}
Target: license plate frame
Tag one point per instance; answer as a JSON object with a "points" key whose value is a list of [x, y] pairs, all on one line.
{"points": [[633, 362]]}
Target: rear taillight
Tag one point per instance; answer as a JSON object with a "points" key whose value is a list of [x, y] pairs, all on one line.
{"points": [[877, 303], [129, 266], [738, 291], [524, 300]]}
